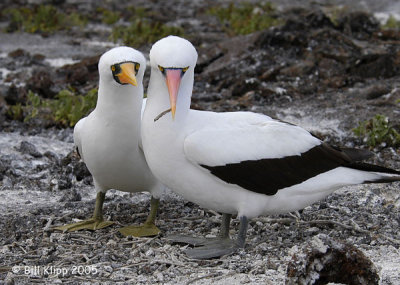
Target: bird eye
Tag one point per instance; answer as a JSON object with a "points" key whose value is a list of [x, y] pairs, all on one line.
{"points": [[185, 69], [137, 66], [112, 68], [161, 68]]}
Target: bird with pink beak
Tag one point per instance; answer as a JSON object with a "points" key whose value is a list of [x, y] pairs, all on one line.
{"points": [[236, 163], [175, 79]]}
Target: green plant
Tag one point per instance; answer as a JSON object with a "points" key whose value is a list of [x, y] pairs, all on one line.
{"points": [[334, 13], [391, 23], [143, 31], [69, 108], [246, 18], [377, 131], [16, 112], [42, 19], [65, 110], [108, 17]]}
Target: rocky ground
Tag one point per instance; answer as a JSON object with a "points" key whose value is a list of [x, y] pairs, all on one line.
{"points": [[325, 75]]}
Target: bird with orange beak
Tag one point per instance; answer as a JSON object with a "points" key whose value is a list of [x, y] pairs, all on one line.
{"points": [[109, 139]]}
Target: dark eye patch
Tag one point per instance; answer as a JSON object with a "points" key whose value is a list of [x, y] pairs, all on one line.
{"points": [[116, 69]]}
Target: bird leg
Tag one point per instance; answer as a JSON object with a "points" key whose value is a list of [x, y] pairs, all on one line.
{"points": [[221, 247], [206, 248], [95, 223], [199, 241], [148, 228]]}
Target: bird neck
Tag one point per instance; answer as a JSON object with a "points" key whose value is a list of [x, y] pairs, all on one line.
{"points": [[113, 100]]}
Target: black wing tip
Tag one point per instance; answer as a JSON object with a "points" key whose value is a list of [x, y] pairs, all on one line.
{"points": [[358, 154], [374, 168], [349, 154]]}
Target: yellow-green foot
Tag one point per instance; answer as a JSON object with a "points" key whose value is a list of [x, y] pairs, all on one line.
{"points": [[145, 230], [90, 224]]}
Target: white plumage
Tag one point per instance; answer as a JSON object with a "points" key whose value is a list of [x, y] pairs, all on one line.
{"points": [[109, 138], [236, 163]]}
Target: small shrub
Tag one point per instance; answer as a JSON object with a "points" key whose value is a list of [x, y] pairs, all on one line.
{"points": [[65, 110], [41, 19], [143, 31], [16, 112], [391, 23], [108, 17], [69, 108], [378, 131], [246, 18]]}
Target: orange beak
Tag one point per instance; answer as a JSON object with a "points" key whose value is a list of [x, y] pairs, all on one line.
{"points": [[173, 78], [127, 74]]}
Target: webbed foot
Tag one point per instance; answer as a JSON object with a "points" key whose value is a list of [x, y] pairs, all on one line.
{"points": [[89, 224], [206, 248], [145, 230]]}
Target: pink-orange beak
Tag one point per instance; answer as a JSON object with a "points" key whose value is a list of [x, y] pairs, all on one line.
{"points": [[173, 78]]}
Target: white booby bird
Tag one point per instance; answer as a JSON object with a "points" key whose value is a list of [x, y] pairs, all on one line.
{"points": [[109, 139], [236, 162]]}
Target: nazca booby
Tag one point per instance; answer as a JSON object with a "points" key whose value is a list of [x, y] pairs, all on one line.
{"points": [[236, 162], [109, 139]]}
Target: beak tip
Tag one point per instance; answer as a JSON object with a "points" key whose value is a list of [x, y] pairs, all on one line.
{"points": [[173, 113]]}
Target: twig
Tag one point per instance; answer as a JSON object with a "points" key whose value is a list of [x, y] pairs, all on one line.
{"points": [[355, 227], [106, 236], [168, 262], [22, 248], [147, 242], [225, 275], [328, 222], [48, 224], [65, 216], [395, 241], [162, 114], [213, 213], [213, 274]]}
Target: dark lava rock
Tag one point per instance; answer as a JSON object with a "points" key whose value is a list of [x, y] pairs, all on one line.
{"points": [[42, 83], [29, 148], [52, 157], [19, 53], [81, 171], [16, 95], [358, 24], [81, 72], [64, 183], [323, 260], [3, 169], [376, 91], [72, 195], [301, 19], [375, 66]]}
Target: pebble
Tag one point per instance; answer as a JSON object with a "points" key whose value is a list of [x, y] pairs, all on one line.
{"points": [[29, 148]]}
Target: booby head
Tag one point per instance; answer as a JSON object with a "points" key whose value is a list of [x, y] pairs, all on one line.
{"points": [[174, 58], [122, 66]]}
